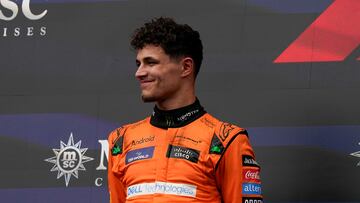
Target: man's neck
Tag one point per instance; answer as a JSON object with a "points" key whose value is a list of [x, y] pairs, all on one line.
{"points": [[177, 117], [175, 103]]}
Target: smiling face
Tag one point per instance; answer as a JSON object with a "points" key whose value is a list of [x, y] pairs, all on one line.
{"points": [[160, 76]]}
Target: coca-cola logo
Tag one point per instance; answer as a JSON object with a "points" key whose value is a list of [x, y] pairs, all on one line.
{"points": [[252, 175]]}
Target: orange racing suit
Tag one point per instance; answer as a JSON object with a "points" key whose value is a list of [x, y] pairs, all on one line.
{"points": [[182, 155]]}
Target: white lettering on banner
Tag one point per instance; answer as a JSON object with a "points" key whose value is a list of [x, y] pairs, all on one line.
{"points": [[9, 10], [104, 151], [27, 12], [30, 31], [17, 32], [98, 182], [5, 31], [14, 9], [11, 6], [27, 31], [43, 31], [161, 188]]}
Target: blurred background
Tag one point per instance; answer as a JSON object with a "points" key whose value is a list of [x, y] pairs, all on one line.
{"points": [[287, 70]]}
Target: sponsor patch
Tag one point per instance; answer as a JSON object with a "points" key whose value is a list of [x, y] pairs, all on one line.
{"points": [[187, 115], [181, 137], [161, 188], [251, 175], [208, 122], [216, 147], [139, 154], [251, 189], [183, 153], [143, 140], [252, 200], [249, 161], [117, 148]]}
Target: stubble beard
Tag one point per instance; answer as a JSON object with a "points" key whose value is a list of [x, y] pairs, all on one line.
{"points": [[148, 99], [153, 97]]}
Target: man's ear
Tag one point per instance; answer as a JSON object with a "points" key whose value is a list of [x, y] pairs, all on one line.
{"points": [[188, 67]]}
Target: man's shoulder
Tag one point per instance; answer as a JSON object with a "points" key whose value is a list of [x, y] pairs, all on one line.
{"points": [[223, 129], [138, 124], [128, 127]]}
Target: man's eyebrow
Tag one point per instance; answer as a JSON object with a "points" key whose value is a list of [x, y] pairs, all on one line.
{"points": [[149, 58]]}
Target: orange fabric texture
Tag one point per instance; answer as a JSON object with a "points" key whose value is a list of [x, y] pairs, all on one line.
{"points": [[205, 160]]}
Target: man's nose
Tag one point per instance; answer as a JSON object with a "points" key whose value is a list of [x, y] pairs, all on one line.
{"points": [[140, 72]]}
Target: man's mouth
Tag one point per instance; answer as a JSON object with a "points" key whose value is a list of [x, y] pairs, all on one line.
{"points": [[145, 83]]}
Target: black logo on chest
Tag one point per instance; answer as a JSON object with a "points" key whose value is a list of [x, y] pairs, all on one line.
{"points": [[179, 152]]}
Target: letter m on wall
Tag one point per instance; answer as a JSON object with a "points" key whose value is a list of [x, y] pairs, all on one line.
{"points": [[333, 36]]}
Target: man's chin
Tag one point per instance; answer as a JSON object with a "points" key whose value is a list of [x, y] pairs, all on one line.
{"points": [[148, 99]]}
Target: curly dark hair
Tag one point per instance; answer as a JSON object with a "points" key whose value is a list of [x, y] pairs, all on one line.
{"points": [[177, 40]]}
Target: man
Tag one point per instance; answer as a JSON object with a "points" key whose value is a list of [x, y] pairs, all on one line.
{"points": [[180, 153]]}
